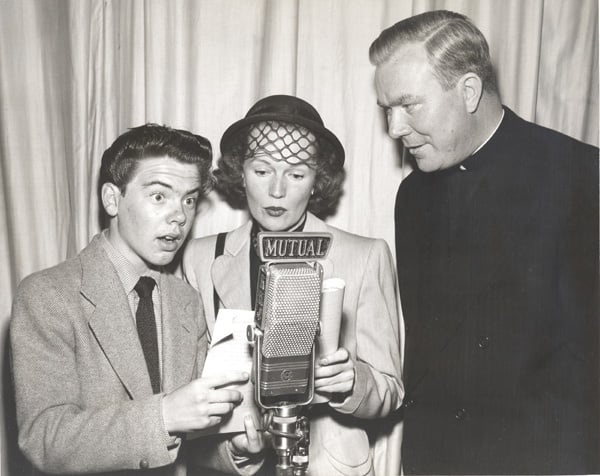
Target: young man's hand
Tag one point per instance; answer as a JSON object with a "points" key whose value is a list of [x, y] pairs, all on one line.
{"points": [[201, 403]]}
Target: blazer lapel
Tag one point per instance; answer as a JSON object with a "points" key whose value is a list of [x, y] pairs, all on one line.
{"points": [[314, 224], [180, 340], [231, 271], [111, 321]]}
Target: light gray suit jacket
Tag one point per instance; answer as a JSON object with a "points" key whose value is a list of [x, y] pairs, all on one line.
{"points": [[359, 436], [83, 394]]}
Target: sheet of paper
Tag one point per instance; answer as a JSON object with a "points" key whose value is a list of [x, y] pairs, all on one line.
{"points": [[230, 350]]}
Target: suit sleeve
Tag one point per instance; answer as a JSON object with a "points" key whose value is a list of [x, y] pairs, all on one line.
{"points": [[56, 431], [378, 389], [212, 455], [212, 452]]}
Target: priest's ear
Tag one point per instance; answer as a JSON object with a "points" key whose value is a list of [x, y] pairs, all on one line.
{"points": [[471, 88], [111, 195]]}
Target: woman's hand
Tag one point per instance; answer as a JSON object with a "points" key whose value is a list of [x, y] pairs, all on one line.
{"points": [[249, 443], [334, 373]]}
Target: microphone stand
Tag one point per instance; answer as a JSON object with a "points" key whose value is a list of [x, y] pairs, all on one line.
{"points": [[290, 440], [284, 389], [290, 429]]}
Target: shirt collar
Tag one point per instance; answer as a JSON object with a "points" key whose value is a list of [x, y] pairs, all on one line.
{"points": [[298, 226], [125, 270], [491, 135], [468, 162], [256, 228]]}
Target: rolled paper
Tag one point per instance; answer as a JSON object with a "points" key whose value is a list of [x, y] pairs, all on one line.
{"points": [[332, 301]]}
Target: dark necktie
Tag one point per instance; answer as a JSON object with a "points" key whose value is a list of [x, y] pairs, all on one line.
{"points": [[146, 327]]}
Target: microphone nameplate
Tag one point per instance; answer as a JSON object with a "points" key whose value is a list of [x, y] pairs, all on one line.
{"points": [[293, 246]]}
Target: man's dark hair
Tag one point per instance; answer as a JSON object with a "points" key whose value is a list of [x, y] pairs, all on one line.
{"points": [[120, 160], [454, 45]]}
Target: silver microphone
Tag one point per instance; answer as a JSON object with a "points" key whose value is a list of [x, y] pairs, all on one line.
{"points": [[286, 324], [287, 315]]}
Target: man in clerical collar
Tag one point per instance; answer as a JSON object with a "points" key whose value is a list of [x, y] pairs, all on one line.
{"points": [[497, 257]]}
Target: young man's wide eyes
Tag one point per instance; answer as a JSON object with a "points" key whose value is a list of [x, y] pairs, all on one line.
{"points": [[191, 201], [157, 197]]}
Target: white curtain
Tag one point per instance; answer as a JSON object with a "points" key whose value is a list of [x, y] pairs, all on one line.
{"points": [[74, 74]]}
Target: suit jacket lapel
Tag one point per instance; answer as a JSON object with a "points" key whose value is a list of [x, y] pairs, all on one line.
{"points": [[314, 224], [111, 321], [231, 271], [179, 352]]}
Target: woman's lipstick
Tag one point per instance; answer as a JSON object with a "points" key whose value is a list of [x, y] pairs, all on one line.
{"points": [[275, 211]]}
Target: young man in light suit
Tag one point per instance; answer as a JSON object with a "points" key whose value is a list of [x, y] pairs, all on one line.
{"points": [[106, 347]]}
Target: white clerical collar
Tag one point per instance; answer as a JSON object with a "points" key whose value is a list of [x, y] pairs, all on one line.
{"points": [[491, 135]]}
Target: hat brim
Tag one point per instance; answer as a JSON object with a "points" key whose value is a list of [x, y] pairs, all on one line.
{"points": [[321, 132]]}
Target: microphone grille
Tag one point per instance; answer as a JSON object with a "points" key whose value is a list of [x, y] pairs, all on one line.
{"points": [[291, 309]]}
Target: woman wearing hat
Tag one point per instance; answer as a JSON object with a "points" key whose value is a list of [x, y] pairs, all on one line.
{"points": [[286, 168]]}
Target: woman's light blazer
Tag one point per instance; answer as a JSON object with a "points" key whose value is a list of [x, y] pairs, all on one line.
{"points": [[361, 435]]}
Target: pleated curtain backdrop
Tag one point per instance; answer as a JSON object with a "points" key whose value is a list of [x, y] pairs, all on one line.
{"points": [[74, 74]]}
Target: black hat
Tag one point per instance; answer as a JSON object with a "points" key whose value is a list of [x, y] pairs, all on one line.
{"points": [[286, 109]]}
